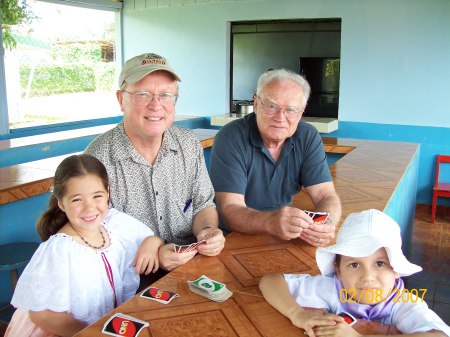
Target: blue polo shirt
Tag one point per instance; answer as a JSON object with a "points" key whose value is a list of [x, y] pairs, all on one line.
{"points": [[240, 163]]}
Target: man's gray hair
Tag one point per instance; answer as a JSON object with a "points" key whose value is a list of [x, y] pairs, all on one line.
{"points": [[282, 75]]}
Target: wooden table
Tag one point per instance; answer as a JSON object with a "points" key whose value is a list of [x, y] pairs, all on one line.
{"points": [[240, 265]]}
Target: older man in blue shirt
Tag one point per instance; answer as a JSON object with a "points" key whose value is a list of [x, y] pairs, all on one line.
{"points": [[260, 162]]}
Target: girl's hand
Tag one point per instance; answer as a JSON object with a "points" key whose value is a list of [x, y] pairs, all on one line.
{"points": [[214, 244], [146, 260], [341, 329], [308, 319]]}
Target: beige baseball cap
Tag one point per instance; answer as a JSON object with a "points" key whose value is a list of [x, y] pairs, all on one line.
{"points": [[140, 66]]}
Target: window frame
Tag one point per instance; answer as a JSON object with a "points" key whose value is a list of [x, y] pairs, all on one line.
{"points": [[5, 131]]}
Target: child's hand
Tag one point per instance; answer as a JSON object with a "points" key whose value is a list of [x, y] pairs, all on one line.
{"points": [[341, 329], [146, 260], [308, 319]]}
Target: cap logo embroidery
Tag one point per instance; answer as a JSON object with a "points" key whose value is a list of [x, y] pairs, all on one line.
{"points": [[153, 61]]}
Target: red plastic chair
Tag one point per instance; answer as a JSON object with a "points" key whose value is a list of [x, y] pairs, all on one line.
{"points": [[440, 189]]}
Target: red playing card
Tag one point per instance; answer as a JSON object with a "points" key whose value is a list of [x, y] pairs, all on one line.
{"points": [[318, 217], [159, 295], [123, 325], [192, 246], [348, 318]]}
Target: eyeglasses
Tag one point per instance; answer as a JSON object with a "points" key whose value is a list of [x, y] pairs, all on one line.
{"points": [[271, 109], [145, 97]]}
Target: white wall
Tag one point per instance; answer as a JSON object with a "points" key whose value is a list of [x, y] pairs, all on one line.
{"points": [[395, 54]]}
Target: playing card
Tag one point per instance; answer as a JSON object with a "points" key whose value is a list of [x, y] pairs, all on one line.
{"points": [[348, 318], [318, 217], [198, 243], [192, 246], [123, 325], [210, 289], [206, 284], [159, 295], [182, 248]]}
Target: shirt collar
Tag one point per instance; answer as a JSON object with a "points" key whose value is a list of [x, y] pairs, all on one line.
{"points": [[255, 136], [169, 145]]}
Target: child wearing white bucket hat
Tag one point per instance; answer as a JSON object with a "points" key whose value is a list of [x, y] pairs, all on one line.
{"points": [[360, 275]]}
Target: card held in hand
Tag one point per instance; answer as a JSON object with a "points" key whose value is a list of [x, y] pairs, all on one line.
{"points": [[123, 325], [318, 217], [159, 295], [348, 318], [192, 246]]}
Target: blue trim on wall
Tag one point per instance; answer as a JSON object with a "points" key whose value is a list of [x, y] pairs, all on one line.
{"points": [[28, 153], [43, 129]]}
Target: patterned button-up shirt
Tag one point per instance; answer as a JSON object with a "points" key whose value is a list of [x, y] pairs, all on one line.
{"points": [[165, 196]]}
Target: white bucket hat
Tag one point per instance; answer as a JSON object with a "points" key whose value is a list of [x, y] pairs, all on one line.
{"points": [[361, 235]]}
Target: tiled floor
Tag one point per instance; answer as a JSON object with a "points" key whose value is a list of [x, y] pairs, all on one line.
{"points": [[430, 250]]}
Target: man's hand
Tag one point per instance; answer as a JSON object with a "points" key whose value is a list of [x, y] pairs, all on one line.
{"points": [[319, 235], [214, 244], [288, 223], [170, 260]]}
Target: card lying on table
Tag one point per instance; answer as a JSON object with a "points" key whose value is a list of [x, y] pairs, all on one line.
{"points": [[318, 217], [123, 325], [159, 295], [213, 290]]}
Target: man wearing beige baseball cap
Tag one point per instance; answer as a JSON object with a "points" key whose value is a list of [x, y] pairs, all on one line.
{"points": [[157, 170]]}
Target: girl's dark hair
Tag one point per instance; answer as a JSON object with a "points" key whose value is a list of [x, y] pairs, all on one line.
{"points": [[337, 260], [53, 219]]}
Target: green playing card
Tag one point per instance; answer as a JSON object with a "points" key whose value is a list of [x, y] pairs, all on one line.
{"points": [[208, 285]]}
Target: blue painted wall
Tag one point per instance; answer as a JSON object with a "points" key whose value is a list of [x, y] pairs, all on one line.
{"points": [[17, 155], [401, 206], [32, 131], [18, 224]]}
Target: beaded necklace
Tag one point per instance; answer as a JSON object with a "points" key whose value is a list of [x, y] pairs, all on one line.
{"points": [[84, 240]]}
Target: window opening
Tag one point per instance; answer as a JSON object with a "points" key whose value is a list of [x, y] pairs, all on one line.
{"points": [[63, 68]]}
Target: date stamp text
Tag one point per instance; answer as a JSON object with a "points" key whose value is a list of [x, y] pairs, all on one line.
{"points": [[373, 296]]}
